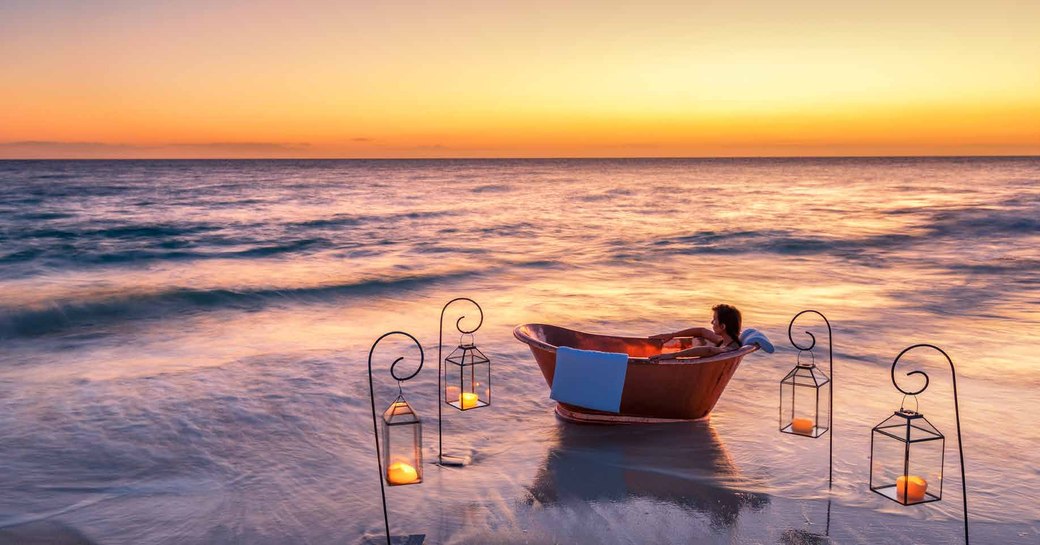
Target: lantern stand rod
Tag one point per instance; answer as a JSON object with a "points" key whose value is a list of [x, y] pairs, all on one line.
{"points": [[956, 412], [372, 399], [827, 532], [440, 363], [830, 412]]}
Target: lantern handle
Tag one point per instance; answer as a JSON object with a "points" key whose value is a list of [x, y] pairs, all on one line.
{"points": [[917, 405], [440, 363], [830, 371], [372, 399], [956, 412], [811, 355]]}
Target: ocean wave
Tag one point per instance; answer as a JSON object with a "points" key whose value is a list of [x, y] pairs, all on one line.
{"points": [[968, 225], [84, 312], [781, 242], [338, 220], [77, 191], [142, 231], [42, 216], [493, 188], [54, 176], [91, 229], [63, 243], [505, 229], [452, 249], [975, 222], [351, 220], [64, 247], [164, 250], [605, 195]]}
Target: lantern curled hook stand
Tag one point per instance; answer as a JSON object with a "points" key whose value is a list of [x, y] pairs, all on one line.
{"points": [[956, 412], [375, 427], [830, 392], [830, 370], [440, 363]]}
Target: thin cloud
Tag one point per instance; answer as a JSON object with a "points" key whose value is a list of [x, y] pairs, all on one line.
{"points": [[429, 147], [50, 149], [240, 147], [64, 146]]}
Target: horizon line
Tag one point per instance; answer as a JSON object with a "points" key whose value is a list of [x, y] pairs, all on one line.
{"points": [[530, 158]]}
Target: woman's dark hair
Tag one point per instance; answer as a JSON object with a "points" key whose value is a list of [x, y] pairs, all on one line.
{"points": [[729, 317]]}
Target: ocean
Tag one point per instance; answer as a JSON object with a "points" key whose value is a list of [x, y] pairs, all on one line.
{"points": [[184, 345]]}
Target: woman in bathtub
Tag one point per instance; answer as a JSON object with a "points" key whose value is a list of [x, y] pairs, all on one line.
{"points": [[723, 336]]}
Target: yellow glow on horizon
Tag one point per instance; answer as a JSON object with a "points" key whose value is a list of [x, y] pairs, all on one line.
{"points": [[338, 80]]}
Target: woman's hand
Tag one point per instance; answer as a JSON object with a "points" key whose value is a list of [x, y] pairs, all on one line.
{"points": [[663, 337]]}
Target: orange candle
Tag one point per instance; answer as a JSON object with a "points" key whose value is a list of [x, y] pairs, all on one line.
{"points": [[468, 400], [803, 426], [910, 488], [401, 473]]}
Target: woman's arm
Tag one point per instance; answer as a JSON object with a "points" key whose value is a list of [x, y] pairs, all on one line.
{"points": [[695, 352], [701, 332]]}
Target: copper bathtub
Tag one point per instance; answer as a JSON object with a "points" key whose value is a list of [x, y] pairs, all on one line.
{"points": [[675, 391]]}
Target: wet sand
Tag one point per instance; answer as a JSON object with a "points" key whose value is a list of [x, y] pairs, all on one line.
{"points": [[184, 345]]}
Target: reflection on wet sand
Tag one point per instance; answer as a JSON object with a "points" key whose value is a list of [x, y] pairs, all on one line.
{"points": [[42, 533], [683, 464], [802, 537]]}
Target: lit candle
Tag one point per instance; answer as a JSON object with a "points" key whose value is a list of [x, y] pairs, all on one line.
{"points": [[803, 426], [468, 400], [910, 488], [401, 473]]}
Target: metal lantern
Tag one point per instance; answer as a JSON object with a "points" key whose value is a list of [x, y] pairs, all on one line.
{"points": [[906, 458], [907, 453], [400, 458], [804, 400], [402, 444], [467, 377]]}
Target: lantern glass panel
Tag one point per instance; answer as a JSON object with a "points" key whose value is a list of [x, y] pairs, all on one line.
{"points": [[402, 444], [467, 378], [805, 402], [906, 459]]}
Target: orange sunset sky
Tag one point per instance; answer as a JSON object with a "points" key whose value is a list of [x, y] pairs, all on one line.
{"points": [[132, 79]]}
